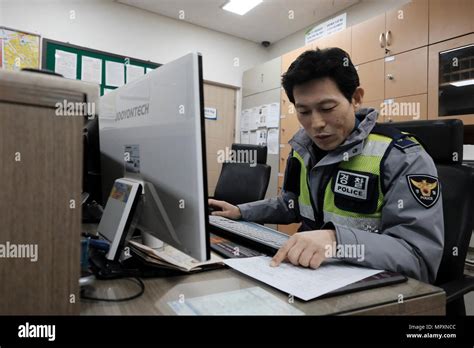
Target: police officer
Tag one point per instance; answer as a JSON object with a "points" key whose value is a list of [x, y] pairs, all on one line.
{"points": [[354, 185]]}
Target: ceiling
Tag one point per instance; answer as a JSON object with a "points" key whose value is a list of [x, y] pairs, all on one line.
{"points": [[269, 21]]}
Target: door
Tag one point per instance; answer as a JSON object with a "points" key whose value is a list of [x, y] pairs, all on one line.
{"points": [[219, 132]]}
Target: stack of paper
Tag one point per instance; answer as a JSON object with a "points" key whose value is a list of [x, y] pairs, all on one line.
{"points": [[304, 283], [169, 257]]}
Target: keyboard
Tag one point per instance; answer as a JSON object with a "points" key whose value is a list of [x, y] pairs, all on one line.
{"points": [[270, 239]]}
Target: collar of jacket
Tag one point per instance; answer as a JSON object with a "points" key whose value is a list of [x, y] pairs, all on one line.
{"points": [[352, 146]]}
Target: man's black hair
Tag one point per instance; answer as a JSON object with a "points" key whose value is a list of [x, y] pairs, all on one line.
{"points": [[333, 63]]}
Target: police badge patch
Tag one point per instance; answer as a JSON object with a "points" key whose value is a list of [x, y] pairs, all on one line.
{"points": [[425, 189]]}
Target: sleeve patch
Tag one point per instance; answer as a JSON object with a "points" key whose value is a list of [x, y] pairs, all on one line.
{"points": [[425, 189]]}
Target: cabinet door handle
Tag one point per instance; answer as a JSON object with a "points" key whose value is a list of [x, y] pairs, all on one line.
{"points": [[388, 37], [382, 40], [390, 76]]}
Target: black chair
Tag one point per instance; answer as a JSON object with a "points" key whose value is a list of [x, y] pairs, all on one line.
{"points": [[244, 182], [443, 140]]}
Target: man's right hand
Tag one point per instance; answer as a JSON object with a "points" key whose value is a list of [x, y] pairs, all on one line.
{"points": [[227, 210]]}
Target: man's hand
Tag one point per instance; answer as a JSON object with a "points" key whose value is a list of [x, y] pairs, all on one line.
{"points": [[227, 210], [307, 249]]}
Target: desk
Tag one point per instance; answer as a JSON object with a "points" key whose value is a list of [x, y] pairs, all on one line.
{"points": [[418, 298]]}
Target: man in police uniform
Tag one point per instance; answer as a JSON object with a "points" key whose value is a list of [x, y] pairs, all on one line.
{"points": [[349, 181]]}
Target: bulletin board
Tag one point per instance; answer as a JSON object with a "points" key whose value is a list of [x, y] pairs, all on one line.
{"points": [[81, 63]]}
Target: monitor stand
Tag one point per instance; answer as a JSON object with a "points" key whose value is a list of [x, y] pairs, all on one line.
{"points": [[150, 196]]}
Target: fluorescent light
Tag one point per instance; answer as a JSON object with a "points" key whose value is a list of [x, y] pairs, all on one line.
{"points": [[463, 83], [241, 7]]}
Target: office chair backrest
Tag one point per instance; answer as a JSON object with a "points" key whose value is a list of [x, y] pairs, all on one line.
{"points": [[244, 182], [443, 140]]}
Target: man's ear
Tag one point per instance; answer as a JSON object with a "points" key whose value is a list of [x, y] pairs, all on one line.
{"points": [[358, 97]]}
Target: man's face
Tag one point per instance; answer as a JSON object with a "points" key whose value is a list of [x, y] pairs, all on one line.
{"points": [[323, 111]]}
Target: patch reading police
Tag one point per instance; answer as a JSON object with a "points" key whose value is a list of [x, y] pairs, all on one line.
{"points": [[351, 184], [425, 189]]}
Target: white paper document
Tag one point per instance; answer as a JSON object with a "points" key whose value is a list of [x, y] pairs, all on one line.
{"points": [[249, 301], [263, 114], [244, 137], [134, 72], [304, 283], [272, 141], [245, 120], [254, 118], [114, 74], [253, 138], [91, 70], [65, 64], [273, 117], [261, 137]]}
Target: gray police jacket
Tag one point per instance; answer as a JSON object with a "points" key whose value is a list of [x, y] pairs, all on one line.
{"points": [[411, 236]]}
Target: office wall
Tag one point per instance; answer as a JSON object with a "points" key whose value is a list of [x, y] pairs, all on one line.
{"points": [[357, 13], [117, 28]]}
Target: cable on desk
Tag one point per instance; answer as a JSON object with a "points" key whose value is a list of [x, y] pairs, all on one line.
{"points": [[138, 281]]}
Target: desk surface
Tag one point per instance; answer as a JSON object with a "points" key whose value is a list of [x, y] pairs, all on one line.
{"points": [[418, 298]]}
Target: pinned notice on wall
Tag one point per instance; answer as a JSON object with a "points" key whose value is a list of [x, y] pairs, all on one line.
{"points": [[114, 74], [272, 141], [245, 120], [66, 64], [273, 116], [244, 137], [254, 118], [134, 72], [332, 25], [91, 70]]}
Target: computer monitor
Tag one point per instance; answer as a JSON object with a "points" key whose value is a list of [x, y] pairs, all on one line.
{"points": [[152, 131]]}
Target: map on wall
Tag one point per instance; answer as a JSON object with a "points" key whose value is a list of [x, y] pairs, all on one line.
{"points": [[18, 49]]}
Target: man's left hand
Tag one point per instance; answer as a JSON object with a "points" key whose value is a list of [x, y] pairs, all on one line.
{"points": [[307, 249]]}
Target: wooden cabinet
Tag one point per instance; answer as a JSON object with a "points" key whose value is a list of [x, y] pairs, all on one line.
{"points": [[463, 72], [448, 19], [341, 39], [371, 78], [390, 33], [411, 108], [406, 27], [406, 73], [284, 153], [41, 186], [368, 40], [261, 78], [288, 127]]}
